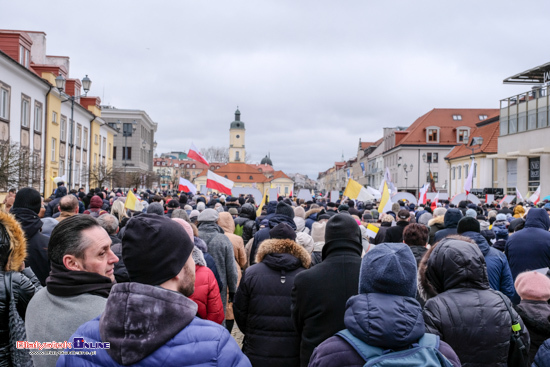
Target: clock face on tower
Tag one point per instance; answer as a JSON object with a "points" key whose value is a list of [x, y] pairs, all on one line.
{"points": [[238, 136]]}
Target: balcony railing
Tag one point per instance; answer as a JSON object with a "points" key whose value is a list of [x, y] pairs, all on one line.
{"points": [[525, 111]]}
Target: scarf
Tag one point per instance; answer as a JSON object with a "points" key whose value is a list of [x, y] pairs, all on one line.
{"points": [[65, 283]]}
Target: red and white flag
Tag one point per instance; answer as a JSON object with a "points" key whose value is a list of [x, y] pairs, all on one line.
{"points": [[196, 155], [217, 182], [435, 201], [187, 186], [518, 196], [469, 179], [422, 198], [535, 198]]}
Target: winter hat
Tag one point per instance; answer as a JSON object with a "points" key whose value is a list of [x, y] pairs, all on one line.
{"points": [[155, 208], [96, 202], [468, 224], [395, 207], [285, 209], [201, 206], [28, 198], [425, 218], [282, 231], [154, 248], [533, 286], [375, 214], [193, 215], [389, 268], [300, 212], [233, 211], [343, 207], [185, 226], [516, 225], [342, 227], [403, 214], [209, 215], [173, 204], [547, 206], [501, 232], [501, 216], [471, 213]]}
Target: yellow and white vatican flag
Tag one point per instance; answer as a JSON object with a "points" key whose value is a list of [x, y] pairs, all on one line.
{"points": [[354, 190], [385, 201]]}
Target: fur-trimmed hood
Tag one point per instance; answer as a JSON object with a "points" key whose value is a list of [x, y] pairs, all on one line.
{"points": [[17, 244], [436, 220], [283, 246], [313, 211]]}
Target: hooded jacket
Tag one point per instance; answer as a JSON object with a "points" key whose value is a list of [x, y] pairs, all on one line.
{"points": [[319, 295], [37, 243], [536, 316], [435, 224], [51, 208], [498, 270], [542, 359], [247, 219], [263, 234], [262, 304], [152, 326], [221, 249], [462, 309], [207, 293], [529, 248], [452, 217], [380, 320], [12, 255]]}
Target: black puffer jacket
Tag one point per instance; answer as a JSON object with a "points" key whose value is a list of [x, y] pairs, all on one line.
{"points": [[262, 304], [51, 208], [247, 219], [462, 309], [452, 217], [37, 243], [24, 284], [536, 316]]}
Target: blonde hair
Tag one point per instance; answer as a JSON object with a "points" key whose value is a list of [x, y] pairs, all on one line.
{"points": [[387, 218], [118, 210]]}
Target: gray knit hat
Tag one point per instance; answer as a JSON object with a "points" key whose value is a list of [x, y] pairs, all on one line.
{"points": [[209, 215]]}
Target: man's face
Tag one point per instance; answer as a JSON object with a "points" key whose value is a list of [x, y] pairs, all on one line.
{"points": [[98, 257], [187, 283]]}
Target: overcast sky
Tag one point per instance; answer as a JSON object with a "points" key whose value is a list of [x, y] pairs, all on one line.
{"points": [[310, 77]]}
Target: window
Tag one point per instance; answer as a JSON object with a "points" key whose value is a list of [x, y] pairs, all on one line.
{"points": [[434, 174], [187, 165], [463, 135], [63, 128], [54, 117], [532, 120], [542, 117], [104, 147], [127, 129], [25, 112], [503, 126], [127, 153], [95, 159], [21, 55], [432, 157], [77, 173], [78, 134], [85, 139], [193, 165], [522, 122], [61, 167], [432, 135], [457, 117], [475, 169], [114, 153], [109, 150], [251, 177], [96, 139], [4, 103], [37, 116], [54, 141], [238, 177], [453, 173], [512, 125], [482, 117], [459, 172], [466, 172]]}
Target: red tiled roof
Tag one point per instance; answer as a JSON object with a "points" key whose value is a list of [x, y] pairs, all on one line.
{"points": [[488, 132], [279, 174], [442, 118], [365, 145], [239, 172]]}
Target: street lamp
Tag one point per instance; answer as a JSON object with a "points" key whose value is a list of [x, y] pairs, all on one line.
{"points": [[60, 82], [126, 133], [410, 168]]}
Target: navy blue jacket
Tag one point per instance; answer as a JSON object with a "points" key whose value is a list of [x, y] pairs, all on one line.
{"points": [[529, 248], [263, 234], [542, 359], [452, 217], [381, 320], [498, 270]]}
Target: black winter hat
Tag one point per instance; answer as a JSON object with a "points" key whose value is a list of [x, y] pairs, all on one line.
{"points": [[342, 227], [468, 224], [343, 207], [173, 204], [28, 198], [284, 209], [154, 248], [282, 231]]}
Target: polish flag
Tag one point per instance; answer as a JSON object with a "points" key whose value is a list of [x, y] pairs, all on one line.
{"points": [[187, 186], [196, 155], [435, 201], [469, 179], [518, 196], [535, 197], [422, 198], [217, 182]]}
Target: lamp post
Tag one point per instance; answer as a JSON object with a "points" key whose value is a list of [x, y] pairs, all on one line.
{"points": [[60, 82], [126, 133], [407, 170], [426, 160]]}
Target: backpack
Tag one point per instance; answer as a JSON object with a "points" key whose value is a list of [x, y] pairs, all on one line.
{"points": [[424, 353], [239, 230]]}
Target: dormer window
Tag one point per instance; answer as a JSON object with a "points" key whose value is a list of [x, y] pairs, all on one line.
{"points": [[457, 117], [432, 134], [482, 117], [24, 56], [462, 134]]}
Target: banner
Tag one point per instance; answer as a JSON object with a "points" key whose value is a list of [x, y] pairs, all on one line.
{"points": [[489, 198], [354, 190], [362, 164], [334, 196], [305, 194], [273, 194]]}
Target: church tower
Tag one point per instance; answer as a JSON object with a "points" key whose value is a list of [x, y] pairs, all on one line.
{"points": [[236, 139]]}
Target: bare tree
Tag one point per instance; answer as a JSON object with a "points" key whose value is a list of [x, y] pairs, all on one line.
{"points": [[216, 154], [100, 175], [19, 167]]}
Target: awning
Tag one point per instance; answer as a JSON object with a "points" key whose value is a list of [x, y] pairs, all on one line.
{"points": [[532, 76]]}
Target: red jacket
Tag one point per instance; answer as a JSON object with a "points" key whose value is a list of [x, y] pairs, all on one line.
{"points": [[207, 295]]}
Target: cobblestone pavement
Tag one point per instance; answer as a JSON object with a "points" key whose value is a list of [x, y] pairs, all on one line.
{"points": [[236, 333]]}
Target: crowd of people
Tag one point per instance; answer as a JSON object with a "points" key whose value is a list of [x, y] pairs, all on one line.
{"points": [[313, 283]]}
